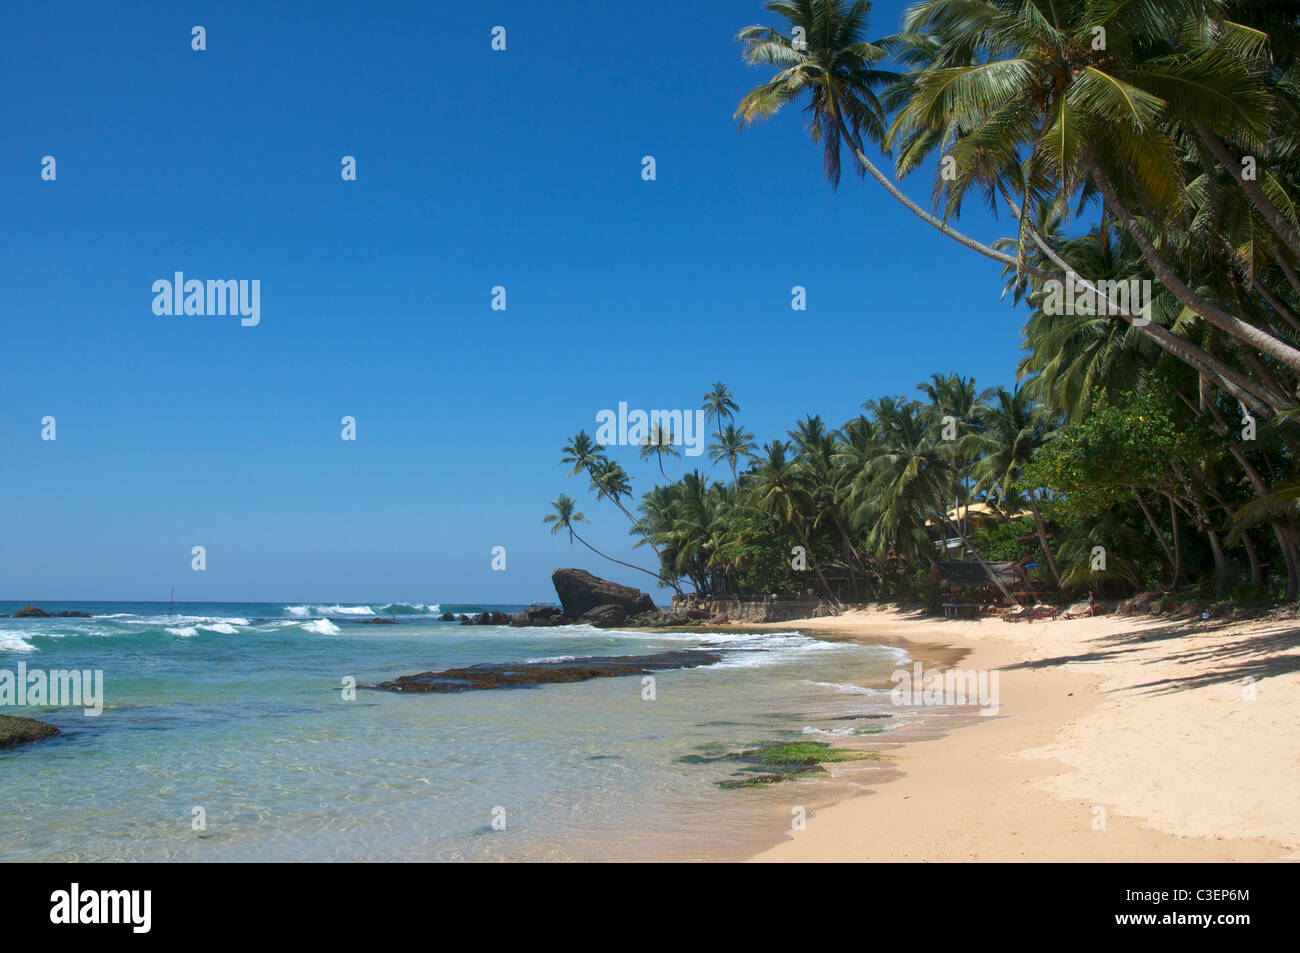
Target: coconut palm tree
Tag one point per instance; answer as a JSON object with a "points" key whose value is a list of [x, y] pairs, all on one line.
{"points": [[719, 403], [1022, 97], [823, 52], [779, 487], [1014, 427], [564, 515], [732, 445], [657, 442]]}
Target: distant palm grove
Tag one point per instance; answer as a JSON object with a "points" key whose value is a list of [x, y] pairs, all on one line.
{"points": [[1147, 153]]}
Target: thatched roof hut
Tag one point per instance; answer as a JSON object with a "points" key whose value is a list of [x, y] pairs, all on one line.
{"points": [[962, 575]]}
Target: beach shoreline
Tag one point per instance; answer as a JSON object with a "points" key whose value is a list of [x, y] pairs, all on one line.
{"points": [[1118, 739]]}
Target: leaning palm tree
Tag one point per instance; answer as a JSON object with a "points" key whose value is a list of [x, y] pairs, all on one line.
{"points": [[564, 516], [827, 56], [718, 403], [658, 441], [732, 445]]}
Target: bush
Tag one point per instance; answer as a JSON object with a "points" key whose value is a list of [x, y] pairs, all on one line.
{"points": [[1243, 593]]}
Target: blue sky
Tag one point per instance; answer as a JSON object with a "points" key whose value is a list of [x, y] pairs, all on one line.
{"points": [[475, 168]]}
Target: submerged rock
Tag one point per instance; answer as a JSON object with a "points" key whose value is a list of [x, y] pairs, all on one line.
{"points": [[16, 731], [74, 614], [525, 674], [779, 761]]}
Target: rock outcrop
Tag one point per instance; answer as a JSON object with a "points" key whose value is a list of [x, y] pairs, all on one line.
{"points": [[16, 731], [526, 674], [605, 617], [580, 592], [31, 612]]}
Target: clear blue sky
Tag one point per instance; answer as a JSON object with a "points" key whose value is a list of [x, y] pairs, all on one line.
{"points": [[475, 168]]}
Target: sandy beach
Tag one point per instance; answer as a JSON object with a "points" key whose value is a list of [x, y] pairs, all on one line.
{"points": [[1118, 739]]}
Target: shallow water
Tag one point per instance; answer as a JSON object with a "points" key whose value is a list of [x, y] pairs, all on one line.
{"points": [[237, 709]]}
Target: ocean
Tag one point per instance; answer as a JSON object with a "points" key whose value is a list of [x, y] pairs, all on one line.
{"points": [[227, 735]]}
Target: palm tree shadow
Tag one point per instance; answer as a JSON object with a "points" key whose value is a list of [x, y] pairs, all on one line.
{"points": [[1268, 651]]}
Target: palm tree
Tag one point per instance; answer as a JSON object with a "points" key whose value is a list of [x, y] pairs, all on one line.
{"points": [[564, 516], [779, 487], [658, 441], [732, 445], [583, 452], [1021, 97], [905, 483], [718, 403], [1014, 428], [838, 68]]}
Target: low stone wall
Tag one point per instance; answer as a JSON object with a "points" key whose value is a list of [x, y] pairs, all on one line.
{"points": [[748, 609]]}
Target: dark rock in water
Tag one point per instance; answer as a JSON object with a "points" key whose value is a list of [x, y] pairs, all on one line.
{"points": [[378, 620], [605, 617], [447, 617], [17, 731], [525, 674], [580, 592], [74, 614], [31, 612], [536, 615]]}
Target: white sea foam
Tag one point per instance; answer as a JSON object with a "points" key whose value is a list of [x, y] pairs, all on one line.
{"points": [[844, 689], [14, 642], [303, 611], [184, 631], [321, 627], [224, 628]]}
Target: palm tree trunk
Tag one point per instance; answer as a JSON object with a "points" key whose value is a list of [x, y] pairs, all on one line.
{"points": [[610, 558], [1232, 381], [1229, 324], [832, 602], [943, 518], [1042, 539], [1160, 536], [1178, 543], [1277, 221], [931, 220]]}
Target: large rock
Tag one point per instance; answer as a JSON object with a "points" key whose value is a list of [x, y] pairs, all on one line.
{"points": [[15, 731], [605, 617], [31, 612], [580, 592]]}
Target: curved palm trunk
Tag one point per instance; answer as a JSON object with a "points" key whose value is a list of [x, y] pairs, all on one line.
{"points": [[1232, 381], [1277, 221], [932, 220], [1229, 324], [610, 558], [623, 509]]}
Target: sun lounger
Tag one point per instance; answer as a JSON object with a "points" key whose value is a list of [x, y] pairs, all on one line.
{"points": [[1034, 612]]}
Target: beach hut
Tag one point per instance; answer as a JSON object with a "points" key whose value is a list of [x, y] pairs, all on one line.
{"points": [[968, 588]]}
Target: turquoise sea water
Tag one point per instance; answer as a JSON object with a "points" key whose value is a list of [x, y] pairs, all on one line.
{"points": [[238, 709]]}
